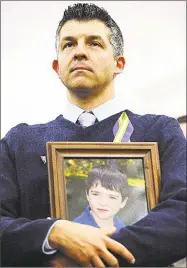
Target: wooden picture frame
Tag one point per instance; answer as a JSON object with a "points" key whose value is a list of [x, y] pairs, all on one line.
{"points": [[69, 164]]}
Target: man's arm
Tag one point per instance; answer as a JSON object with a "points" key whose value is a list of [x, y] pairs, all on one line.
{"points": [[159, 239], [22, 239], [87, 245]]}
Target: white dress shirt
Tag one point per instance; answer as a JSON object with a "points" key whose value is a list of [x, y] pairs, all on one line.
{"points": [[72, 112]]}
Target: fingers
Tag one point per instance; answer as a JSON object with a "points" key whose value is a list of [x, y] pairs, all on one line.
{"points": [[109, 259], [109, 232], [97, 261], [57, 264], [120, 250], [86, 264]]}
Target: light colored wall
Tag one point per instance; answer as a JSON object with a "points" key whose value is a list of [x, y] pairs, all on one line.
{"points": [[153, 80]]}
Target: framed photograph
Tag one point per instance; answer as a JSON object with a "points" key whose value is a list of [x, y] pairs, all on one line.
{"points": [[101, 184]]}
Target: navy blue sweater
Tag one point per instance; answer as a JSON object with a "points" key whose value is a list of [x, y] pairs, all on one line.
{"points": [[159, 239]]}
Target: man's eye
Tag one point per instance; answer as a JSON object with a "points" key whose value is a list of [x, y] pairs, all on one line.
{"points": [[67, 45], [95, 44]]}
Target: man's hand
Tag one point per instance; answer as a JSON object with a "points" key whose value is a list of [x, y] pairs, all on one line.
{"points": [[60, 260], [87, 245]]}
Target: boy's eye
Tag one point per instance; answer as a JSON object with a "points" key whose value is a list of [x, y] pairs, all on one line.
{"points": [[95, 194], [113, 197]]}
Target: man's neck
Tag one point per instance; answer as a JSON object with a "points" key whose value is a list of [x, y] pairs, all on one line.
{"points": [[91, 101]]}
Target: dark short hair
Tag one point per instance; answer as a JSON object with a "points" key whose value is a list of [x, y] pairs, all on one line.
{"points": [[86, 12], [182, 119], [110, 178]]}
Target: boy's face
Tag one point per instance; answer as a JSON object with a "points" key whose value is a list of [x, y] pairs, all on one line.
{"points": [[104, 203]]}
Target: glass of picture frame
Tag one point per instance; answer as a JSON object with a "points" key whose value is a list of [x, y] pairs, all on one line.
{"points": [[69, 166]]}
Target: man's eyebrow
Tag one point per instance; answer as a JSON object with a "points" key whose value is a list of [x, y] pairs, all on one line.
{"points": [[67, 38], [94, 37], [89, 37]]}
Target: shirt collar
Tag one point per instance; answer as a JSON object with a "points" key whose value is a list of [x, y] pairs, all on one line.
{"points": [[103, 111]]}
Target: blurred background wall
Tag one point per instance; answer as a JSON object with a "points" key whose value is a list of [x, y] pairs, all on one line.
{"points": [[153, 81]]}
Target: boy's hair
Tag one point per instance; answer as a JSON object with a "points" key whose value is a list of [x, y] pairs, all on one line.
{"points": [[86, 12], [110, 178]]}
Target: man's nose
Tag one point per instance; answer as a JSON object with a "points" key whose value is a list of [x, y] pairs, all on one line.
{"points": [[80, 52]]}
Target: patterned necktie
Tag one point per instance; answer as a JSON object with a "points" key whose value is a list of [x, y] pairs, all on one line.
{"points": [[86, 119]]}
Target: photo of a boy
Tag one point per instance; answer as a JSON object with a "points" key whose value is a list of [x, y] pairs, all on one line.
{"points": [[107, 192]]}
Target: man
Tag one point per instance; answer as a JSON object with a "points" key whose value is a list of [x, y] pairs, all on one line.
{"points": [[90, 56]]}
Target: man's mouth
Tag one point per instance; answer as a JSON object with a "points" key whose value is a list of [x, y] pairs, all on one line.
{"points": [[81, 68]]}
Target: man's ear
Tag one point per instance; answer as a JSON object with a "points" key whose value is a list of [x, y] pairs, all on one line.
{"points": [[120, 64], [55, 66], [124, 202]]}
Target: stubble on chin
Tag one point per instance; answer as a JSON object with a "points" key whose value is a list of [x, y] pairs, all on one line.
{"points": [[78, 89], [82, 92]]}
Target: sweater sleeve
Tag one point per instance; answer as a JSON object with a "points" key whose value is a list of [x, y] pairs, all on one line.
{"points": [[159, 239], [21, 239]]}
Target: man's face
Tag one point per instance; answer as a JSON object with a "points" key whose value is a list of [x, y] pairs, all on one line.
{"points": [[85, 57], [104, 203]]}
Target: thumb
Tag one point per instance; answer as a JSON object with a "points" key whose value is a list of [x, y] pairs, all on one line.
{"points": [[109, 231]]}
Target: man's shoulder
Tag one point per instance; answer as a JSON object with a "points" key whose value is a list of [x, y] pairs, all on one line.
{"points": [[24, 133], [25, 128], [150, 118], [158, 122], [154, 127]]}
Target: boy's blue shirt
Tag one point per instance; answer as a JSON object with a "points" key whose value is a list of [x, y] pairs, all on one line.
{"points": [[87, 218]]}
